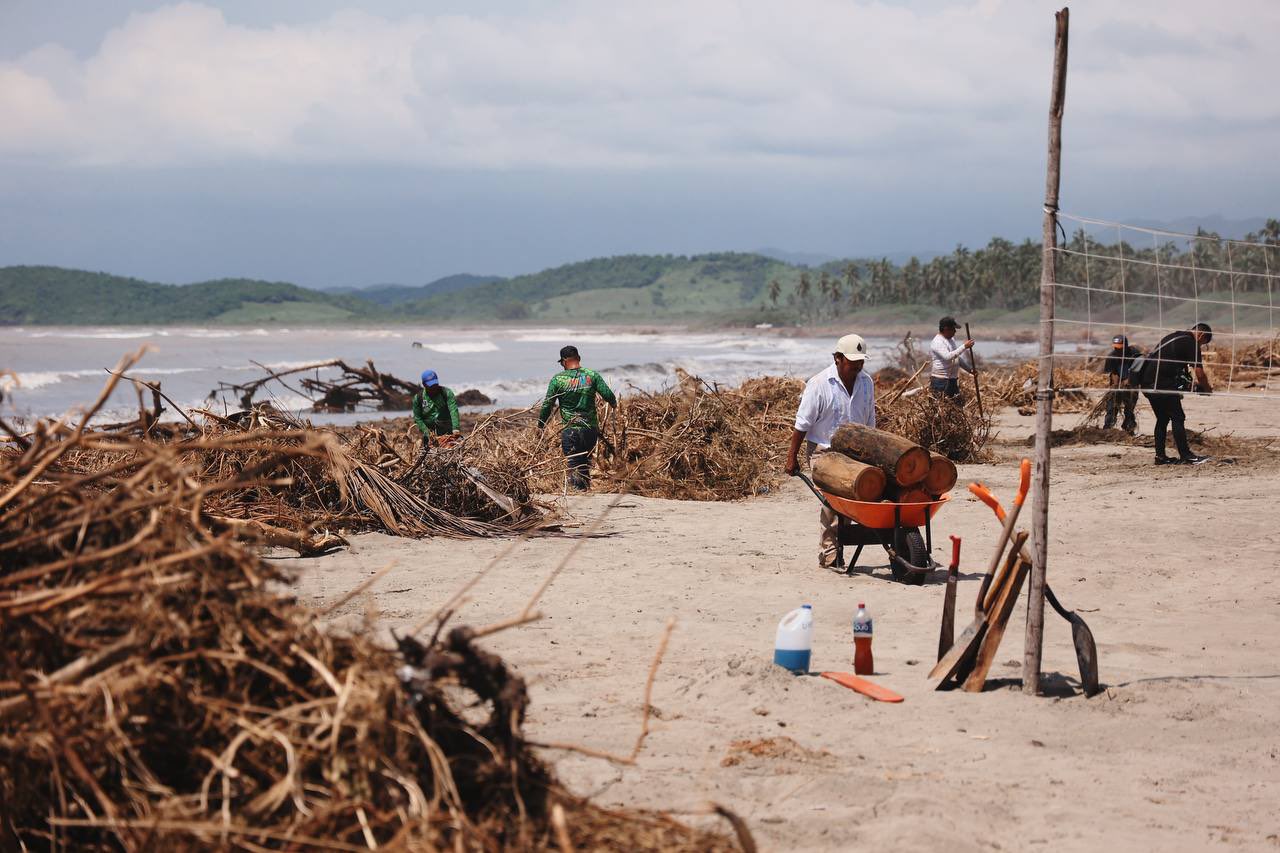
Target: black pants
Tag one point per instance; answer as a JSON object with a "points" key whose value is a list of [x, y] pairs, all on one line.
{"points": [[577, 445], [944, 387], [1121, 398], [1168, 410]]}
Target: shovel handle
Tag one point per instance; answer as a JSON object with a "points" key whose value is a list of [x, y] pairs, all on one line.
{"points": [[1005, 533], [982, 493], [955, 552], [1024, 482]]}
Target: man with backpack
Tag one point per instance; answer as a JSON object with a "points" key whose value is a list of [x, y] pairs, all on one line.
{"points": [[1163, 374]]}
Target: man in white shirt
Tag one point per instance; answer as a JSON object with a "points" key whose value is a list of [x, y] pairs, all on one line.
{"points": [[947, 355], [841, 394]]}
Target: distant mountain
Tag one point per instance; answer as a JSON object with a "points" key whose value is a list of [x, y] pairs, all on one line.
{"points": [[796, 259], [53, 295], [626, 288], [388, 295]]}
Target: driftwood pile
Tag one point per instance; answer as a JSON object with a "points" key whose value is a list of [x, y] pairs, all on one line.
{"points": [[160, 689], [357, 388]]}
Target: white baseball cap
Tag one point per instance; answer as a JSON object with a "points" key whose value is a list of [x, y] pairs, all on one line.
{"points": [[852, 347]]}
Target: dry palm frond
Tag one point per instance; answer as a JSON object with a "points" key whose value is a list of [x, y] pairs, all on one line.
{"points": [[161, 689]]}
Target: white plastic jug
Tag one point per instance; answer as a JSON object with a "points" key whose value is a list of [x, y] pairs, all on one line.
{"points": [[793, 643]]}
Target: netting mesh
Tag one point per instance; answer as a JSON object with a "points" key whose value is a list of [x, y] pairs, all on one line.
{"points": [[1118, 279]]}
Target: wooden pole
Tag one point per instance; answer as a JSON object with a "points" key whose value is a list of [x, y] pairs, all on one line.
{"points": [[973, 362], [1044, 386]]}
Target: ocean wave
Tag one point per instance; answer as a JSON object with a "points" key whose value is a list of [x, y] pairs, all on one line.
{"points": [[103, 334], [31, 380], [569, 337], [463, 347], [374, 333]]}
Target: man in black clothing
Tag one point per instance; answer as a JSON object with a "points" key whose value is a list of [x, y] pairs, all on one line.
{"points": [[1117, 368], [1166, 372]]}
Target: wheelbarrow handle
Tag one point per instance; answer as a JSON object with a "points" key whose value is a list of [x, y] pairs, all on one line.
{"points": [[817, 494]]}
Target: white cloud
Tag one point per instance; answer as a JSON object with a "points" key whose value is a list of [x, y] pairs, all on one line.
{"points": [[828, 84]]}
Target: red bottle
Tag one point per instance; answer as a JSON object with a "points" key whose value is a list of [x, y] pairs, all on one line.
{"points": [[863, 663]]}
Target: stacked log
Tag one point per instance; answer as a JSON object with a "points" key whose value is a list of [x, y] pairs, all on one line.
{"points": [[903, 462], [839, 475], [942, 474]]}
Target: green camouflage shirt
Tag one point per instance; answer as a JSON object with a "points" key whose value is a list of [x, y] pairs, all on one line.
{"points": [[436, 414], [575, 390]]}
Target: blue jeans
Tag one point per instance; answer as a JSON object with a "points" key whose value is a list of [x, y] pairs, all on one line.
{"points": [[577, 445], [946, 387]]}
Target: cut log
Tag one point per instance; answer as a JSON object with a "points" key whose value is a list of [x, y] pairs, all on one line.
{"points": [[906, 494], [839, 475], [942, 474], [903, 463]]}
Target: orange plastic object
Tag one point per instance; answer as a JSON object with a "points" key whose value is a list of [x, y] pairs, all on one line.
{"points": [[982, 493], [861, 685], [880, 515]]}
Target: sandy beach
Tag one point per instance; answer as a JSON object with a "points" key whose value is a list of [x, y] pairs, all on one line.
{"points": [[1181, 751]]}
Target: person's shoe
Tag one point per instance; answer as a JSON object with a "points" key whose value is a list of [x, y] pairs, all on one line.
{"points": [[1165, 460], [1194, 459]]}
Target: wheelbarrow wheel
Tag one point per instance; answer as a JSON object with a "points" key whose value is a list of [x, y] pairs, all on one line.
{"points": [[909, 544]]}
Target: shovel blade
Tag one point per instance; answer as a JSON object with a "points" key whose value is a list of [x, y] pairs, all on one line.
{"points": [[959, 658], [1086, 655]]}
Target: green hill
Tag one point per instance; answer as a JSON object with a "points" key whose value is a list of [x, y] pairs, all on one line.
{"points": [[52, 295], [388, 295], [1000, 279], [619, 289]]}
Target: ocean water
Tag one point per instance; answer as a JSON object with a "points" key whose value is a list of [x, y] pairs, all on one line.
{"points": [[53, 370]]}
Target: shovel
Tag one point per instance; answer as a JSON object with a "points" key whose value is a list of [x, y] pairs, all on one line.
{"points": [[1081, 636], [960, 658], [981, 604], [947, 635], [961, 654]]}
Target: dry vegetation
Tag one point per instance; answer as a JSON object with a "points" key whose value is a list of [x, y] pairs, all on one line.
{"points": [[159, 688]]}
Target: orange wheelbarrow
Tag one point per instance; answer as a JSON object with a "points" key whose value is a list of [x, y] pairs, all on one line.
{"points": [[893, 526]]}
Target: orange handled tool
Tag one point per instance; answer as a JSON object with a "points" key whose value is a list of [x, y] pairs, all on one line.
{"points": [[1081, 635], [1024, 485]]}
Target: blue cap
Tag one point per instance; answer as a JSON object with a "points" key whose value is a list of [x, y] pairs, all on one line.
{"points": [[430, 379]]}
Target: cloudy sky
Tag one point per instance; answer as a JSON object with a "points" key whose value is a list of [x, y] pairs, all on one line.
{"points": [[335, 142]]}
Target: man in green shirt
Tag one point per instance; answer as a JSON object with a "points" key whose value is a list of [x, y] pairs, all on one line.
{"points": [[436, 411], [574, 390]]}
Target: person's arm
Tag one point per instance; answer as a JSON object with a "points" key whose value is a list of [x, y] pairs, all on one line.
{"points": [[806, 416], [455, 422], [871, 402], [548, 403], [793, 452], [940, 350], [1202, 381], [417, 414], [603, 389]]}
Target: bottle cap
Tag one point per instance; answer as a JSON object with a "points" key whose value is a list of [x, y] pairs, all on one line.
{"points": [[807, 606], [861, 606]]}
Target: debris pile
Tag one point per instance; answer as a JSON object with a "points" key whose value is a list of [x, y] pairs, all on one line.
{"points": [[160, 688], [701, 442], [357, 388]]}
